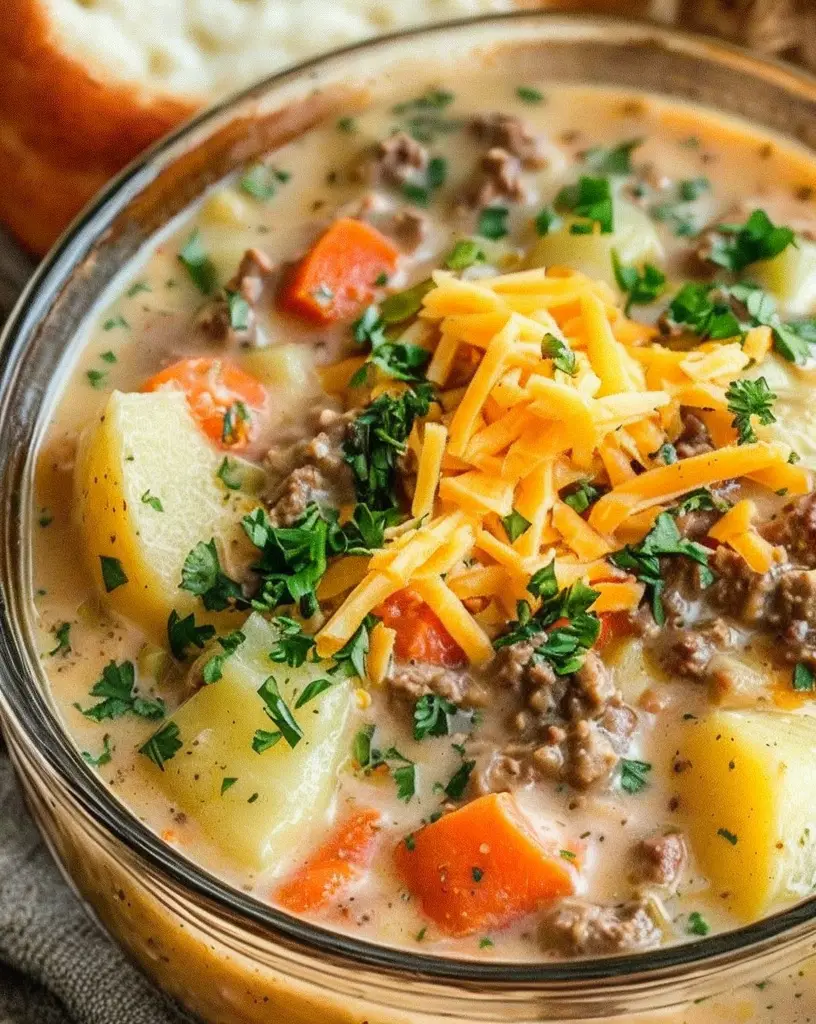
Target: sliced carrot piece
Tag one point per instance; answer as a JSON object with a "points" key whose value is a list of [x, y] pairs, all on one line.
{"points": [[338, 862], [483, 866], [420, 633], [225, 401], [336, 277]]}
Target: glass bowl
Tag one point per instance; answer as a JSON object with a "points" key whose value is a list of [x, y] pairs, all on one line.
{"points": [[223, 954]]}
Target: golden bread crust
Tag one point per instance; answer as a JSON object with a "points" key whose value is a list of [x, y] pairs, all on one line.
{"points": [[63, 131]]}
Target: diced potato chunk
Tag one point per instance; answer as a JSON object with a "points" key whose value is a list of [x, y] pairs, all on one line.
{"points": [[142, 447], [748, 794], [790, 277], [288, 371], [634, 238], [266, 817]]}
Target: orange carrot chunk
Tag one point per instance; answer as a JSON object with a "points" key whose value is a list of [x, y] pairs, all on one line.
{"points": [[225, 401], [420, 633], [483, 866], [337, 863], [336, 277]]}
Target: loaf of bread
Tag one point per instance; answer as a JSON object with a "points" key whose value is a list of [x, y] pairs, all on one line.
{"points": [[86, 85]]}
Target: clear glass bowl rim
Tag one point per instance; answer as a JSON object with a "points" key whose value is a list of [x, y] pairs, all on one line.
{"points": [[31, 713]]}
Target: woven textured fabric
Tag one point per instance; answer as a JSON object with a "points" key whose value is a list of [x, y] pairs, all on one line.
{"points": [[56, 964]]}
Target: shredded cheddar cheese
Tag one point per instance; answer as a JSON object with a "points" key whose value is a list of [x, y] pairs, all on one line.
{"points": [[495, 455]]}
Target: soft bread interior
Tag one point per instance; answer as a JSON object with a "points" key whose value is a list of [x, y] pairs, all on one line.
{"points": [[207, 48]]}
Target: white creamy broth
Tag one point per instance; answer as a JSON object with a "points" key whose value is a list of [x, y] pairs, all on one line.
{"points": [[159, 316]]}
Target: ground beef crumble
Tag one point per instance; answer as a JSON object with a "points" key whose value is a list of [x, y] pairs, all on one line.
{"points": [[513, 135], [567, 728], [659, 860], [579, 928], [307, 471]]}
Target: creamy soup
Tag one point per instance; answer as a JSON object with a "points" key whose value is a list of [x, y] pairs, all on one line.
{"points": [[424, 537]]}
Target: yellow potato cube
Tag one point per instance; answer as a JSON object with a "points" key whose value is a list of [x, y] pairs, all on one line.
{"points": [[748, 793], [142, 450], [279, 798]]}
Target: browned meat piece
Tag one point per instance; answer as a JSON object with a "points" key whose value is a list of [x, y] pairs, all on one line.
{"points": [[688, 652], [254, 273], [569, 728], [414, 680], [513, 135], [409, 229], [579, 928], [660, 860], [394, 161], [694, 438], [498, 176], [309, 471], [795, 529]]}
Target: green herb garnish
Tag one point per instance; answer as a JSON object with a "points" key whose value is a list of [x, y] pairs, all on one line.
{"points": [[184, 633], [198, 264], [214, 667], [464, 254], [62, 634], [152, 501], [640, 287], [116, 688], [162, 745], [803, 677], [633, 775], [614, 160], [113, 575], [590, 199], [492, 222], [564, 359], [201, 575], [278, 710], [736, 246], [515, 525], [747, 398], [100, 759]]}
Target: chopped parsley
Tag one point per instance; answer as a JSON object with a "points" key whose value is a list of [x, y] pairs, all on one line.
{"points": [[108, 357], [437, 716], [566, 645], [667, 454], [278, 710], [582, 495], [368, 757], [201, 575], [236, 418], [377, 439], [350, 660], [700, 500], [293, 645], [420, 193], [62, 634], [261, 181], [591, 200], [515, 525], [214, 667], [803, 677], [100, 759], [198, 264], [747, 398], [401, 306], [397, 359], [729, 837], [96, 378], [697, 924], [706, 310], [312, 690], [423, 116], [115, 321], [485, 943], [264, 740], [113, 575], [634, 775], [464, 254], [529, 94], [238, 310], [227, 783], [136, 288], [492, 222], [639, 286], [152, 501], [564, 359], [116, 688], [676, 216], [690, 189], [546, 220], [163, 745], [736, 246], [228, 474], [643, 559], [457, 784], [613, 160], [184, 633]]}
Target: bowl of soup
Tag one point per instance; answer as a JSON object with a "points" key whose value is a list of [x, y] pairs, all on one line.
{"points": [[410, 534]]}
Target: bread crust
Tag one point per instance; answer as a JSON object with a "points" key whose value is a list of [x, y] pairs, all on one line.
{"points": [[64, 131]]}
